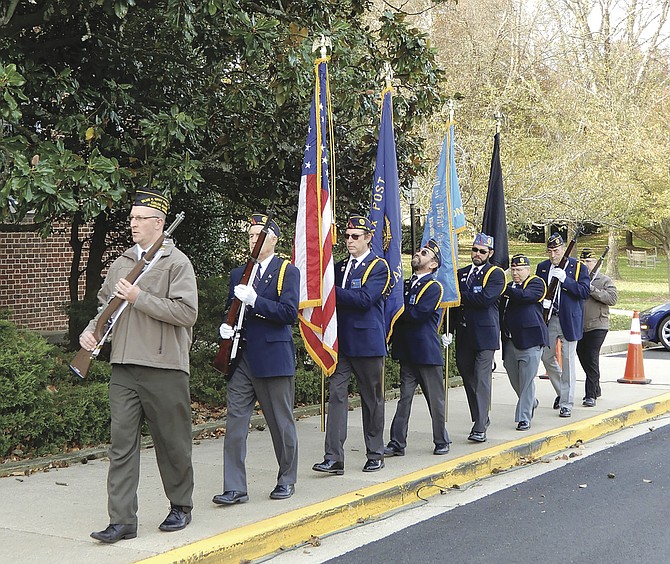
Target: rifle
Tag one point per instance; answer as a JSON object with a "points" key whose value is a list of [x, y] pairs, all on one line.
{"points": [[596, 268], [115, 306], [553, 285], [224, 360]]}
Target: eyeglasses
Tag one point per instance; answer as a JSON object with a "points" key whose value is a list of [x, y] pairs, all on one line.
{"points": [[354, 236], [426, 252], [480, 251], [143, 217]]}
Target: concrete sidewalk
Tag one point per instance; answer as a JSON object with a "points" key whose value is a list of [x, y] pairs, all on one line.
{"points": [[48, 516]]}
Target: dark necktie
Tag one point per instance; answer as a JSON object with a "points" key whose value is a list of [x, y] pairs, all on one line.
{"points": [[413, 279], [351, 271], [471, 278], [257, 277]]}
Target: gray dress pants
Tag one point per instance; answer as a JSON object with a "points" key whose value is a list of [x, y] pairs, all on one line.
{"points": [[368, 371]]}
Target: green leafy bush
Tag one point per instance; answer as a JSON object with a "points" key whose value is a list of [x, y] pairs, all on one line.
{"points": [[42, 409]]}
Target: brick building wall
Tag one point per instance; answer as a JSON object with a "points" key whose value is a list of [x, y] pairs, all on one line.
{"points": [[34, 278]]}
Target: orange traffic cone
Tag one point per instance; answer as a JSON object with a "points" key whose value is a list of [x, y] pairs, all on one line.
{"points": [[634, 373], [559, 358]]}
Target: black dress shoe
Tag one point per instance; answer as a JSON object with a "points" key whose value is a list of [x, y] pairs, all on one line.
{"points": [[523, 426], [557, 402], [392, 450], [230, 497], [441, 449], [373, 465], [330, 467], [282, 492], [477, 437], [176, 520], [115, 532]]}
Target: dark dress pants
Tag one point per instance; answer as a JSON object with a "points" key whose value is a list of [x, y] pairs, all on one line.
{"points": [[162, 399], [431, 380]]}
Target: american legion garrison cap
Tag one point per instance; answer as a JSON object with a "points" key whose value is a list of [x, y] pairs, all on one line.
{"points": [[519, 260], [433, 246], [484, 240], [587, 254], [261, 218], [360, 222], [152, 199], [555, 240]]}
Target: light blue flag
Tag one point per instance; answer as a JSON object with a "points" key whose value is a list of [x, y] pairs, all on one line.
{"points": [[445, 220], [385, 213]]}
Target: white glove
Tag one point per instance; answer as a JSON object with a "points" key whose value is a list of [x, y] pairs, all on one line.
{"points": [[447, 339], [546, 304], [246, 294], [559, 273], [226, 331]]}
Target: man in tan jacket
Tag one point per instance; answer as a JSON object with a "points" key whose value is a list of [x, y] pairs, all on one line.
{"points": [[150, 372], [596, 324]]}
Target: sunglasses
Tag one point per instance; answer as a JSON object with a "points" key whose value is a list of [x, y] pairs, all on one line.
{"points": [[480, 251], [354, 236], [426, 253]]}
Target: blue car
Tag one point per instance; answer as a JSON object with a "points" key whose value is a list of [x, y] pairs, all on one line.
{"points": [[655, 325]]}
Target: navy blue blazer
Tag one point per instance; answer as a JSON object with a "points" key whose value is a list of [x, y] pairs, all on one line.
{"points": [[477, 318], [415, 337], [522, 314], [267, 325], [361, 329], [575, 290]]}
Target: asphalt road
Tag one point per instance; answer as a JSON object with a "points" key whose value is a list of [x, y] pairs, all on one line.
{"points": [[610, 507]]}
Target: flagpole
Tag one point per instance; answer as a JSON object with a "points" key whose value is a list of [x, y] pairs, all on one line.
{"points": [[323, 401], [322, 44], [388, 78], [446, 367], [498, 117]]}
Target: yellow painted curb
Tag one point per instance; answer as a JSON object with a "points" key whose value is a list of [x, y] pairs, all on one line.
{"points": [[296, 527]]}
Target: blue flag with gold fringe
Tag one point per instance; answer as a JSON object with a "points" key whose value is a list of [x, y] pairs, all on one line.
{"points": [[385, 213], [445, 220]]}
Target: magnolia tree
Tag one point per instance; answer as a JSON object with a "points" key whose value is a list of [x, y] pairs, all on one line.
{"points": [[208, 101]]}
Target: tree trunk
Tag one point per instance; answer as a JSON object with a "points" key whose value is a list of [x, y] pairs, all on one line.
{"points": [[664, 225], [613, 260], [82, 311], [629, 238], [96, 252]]}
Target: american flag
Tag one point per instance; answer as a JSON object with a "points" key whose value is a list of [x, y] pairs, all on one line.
{"points": [[313, 246]]}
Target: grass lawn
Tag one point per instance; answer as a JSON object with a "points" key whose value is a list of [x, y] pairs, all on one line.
{"points": [[639, 288]]}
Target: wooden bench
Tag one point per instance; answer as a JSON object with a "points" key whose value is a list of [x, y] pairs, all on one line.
{"points": [[642, 258], [637, 259], [651, 257]]}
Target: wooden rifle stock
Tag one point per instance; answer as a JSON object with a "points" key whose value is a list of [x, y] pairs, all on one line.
{"points": [[223, 362], [553, 285], [596, 268], [82, 360]]}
